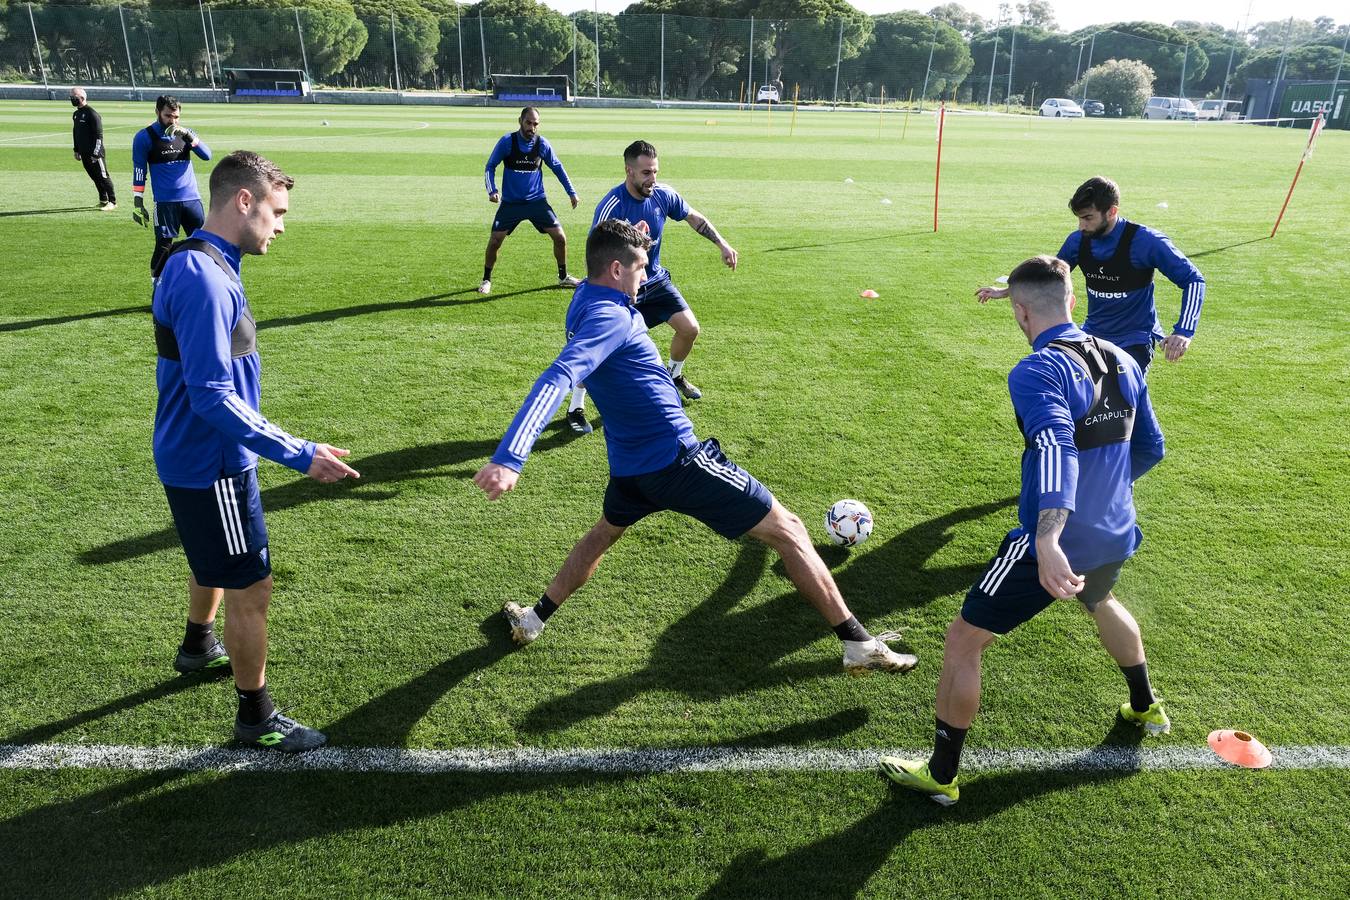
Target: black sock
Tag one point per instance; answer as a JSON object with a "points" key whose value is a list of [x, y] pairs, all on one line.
{"points": [[1141, 693], [487, 273], [255, 707], [851, 630], [562, 272], [946, 756], [545, 608], [199, 638]]}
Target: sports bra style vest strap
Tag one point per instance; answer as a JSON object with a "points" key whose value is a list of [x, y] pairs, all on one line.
{"points": [[1116, 275], [162, 151], [1110, 418], [520, 161], [244, 338]]}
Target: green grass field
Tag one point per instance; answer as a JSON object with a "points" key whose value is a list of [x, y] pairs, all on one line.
{"points": [[385, 626]]}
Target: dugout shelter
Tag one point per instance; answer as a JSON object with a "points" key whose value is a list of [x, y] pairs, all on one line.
{"points": [[532, 89], [268, 85]]}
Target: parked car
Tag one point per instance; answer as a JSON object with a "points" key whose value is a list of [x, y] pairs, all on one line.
{"points": [[1094, 108], [1169, 108], [1219, 109], [768, 93], [1059, 107]]}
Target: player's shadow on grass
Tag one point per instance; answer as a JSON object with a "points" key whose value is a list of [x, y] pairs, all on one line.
{"points": [[73, 317], [434, 301], [889, 236], [148, 830], [380, 473], [841, 864], [717, 650], [5, 214], [46, 732]]}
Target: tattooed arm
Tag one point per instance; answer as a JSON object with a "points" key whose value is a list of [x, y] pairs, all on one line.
{"points": [[700, 224], [1057, 576]]}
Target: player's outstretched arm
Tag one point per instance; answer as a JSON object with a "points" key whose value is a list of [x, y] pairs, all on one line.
{"points": [[496, 479], [327, 468], [701, 225], [985, 294]]}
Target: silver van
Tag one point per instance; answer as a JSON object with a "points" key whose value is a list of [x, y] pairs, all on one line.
{"points": [[1169, 108]]}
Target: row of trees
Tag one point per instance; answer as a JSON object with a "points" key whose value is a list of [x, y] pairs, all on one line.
{"points": [[681, 48]]}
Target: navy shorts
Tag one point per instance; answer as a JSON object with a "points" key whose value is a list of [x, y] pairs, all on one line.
{"points": [[172, 215], [1142, 353], [702, 484], [1010, 593], [540, 214], [223, 532], [658, 301]]}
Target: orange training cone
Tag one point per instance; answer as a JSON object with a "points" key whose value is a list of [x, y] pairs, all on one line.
{"points": [[1239, 748], [869, 294]]}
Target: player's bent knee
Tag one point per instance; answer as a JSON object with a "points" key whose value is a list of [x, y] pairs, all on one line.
{"points": [[965, 639]]}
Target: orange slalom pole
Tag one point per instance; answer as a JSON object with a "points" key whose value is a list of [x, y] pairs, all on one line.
{"points": [[1307, 153], [740, 101], [937, 175]]}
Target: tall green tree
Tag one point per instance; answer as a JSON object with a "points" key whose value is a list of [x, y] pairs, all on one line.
{"points": [[1162, 48], [706, 42], [898, 56], [801, 38], [1122, 85]]}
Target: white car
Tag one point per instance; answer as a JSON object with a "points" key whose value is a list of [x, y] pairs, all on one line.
{"points": [[768, 93], [1060, 107], [1226, 110], [1169, 108]]}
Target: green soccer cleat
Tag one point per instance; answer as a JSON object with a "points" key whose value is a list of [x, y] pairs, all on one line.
{"points": [[1153, 720], [213, 662], [913, 774], [280, 733]]}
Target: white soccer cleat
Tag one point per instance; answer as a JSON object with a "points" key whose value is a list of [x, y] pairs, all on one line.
{"points": [[568, 281], [525, 623], [861, 657], [485, 287]]}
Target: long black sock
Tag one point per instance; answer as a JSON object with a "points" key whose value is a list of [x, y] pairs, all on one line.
{"points": [[942, 765], [199, 638], [487, 273], [562, 272], [255, 707], [1141, 693], [545, 608], [851, 630]]}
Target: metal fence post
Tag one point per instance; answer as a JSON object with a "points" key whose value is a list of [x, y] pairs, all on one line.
{"points": [[482, 48], [304, 55], [575, 87], [1091, 50], [923, 95], [750, 58], [838, 58], [393, 42], [1185, 56], [1335, 82], [1229, 71], [597, 49], [215, 44], [210, 69], [42, 66], [989, 94], [663, 57], [127, 44], [459, 36], [1012, 55]]}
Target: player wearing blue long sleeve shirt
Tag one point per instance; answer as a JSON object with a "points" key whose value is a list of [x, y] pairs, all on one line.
{"points": [[1118, 259], [162, 152], [1089, 432], [655, 460], [209, 433], [646, 205], [523, 155]]}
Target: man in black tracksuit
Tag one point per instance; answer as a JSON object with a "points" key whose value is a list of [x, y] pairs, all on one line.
{"points": [[88, 134]]}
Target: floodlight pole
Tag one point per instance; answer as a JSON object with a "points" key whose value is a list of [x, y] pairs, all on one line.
{"points": [[575, 86], [931, 47], [210, 69], [215, 44], [1223, 98], [127, 44], [304, 55], [393, 41], [1012, 55], [1091, 50], [1185, 56], [597, 49], [750, 58], [1275, 85], [1335, 82], [989, 94], [663, 57], [42, 67], [1078, 72], [838, 58], [482, 49]]}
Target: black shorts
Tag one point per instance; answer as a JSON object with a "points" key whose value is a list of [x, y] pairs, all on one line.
{"points": [[223, 532], [173, 215], [539, 213], [1142, 353], [1010, 593], [659, 301], [702, 484]]}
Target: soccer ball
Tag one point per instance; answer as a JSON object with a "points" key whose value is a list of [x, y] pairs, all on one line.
{"points": [[848, 522]]}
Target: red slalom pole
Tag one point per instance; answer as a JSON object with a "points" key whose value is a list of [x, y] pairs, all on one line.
{"points": [[937, 175], [1307, 154]]}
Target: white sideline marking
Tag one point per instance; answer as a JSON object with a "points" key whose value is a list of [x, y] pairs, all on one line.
{"points": [[628, 761]]}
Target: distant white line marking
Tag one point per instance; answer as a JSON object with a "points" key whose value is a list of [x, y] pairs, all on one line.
{"points": [[628, 761]]}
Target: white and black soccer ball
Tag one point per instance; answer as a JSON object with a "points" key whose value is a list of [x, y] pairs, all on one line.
{"points": [[848, 522]]}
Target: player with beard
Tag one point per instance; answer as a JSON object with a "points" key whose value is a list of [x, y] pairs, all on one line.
{"points": [[1118, 258]]}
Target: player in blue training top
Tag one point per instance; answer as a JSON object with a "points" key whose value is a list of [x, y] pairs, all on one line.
{"points": [[162, 152], [1118, 258], [655, 461], [643, 203], [1089, 432], [523, 155], [209, 434]]}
